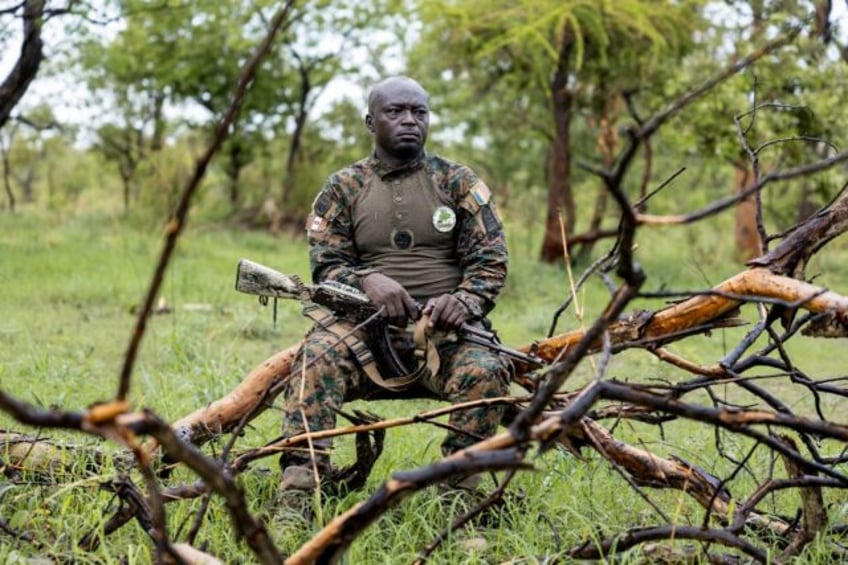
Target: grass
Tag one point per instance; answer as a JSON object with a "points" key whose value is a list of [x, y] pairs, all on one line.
{"points": [[71, 285]]}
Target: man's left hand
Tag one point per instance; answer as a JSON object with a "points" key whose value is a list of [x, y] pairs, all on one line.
{"points": [[446, 312]]}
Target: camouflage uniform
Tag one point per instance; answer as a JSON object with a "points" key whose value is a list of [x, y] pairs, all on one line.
{"points": [[325, 373]]}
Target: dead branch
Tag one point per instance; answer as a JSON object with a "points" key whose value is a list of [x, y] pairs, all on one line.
{"points": [[752, 285], [643, 329], [334, 539], [812, 503], [44, 456], [805, 239], [728, 202], [632, 538], [249, 398]]}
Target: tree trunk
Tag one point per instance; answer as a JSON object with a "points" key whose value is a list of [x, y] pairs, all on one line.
{"points": [[233, 173], [126, 185], [297, 136], [157, 141], [560, 197], [24, 71], [27, 181], [748, 244], [290, 178], [608, 143], [7, 181]]}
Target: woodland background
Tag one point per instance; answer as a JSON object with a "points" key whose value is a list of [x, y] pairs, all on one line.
{"points": [[531, 94], [107, 106]]}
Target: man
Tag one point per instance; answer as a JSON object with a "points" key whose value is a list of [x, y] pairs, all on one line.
{"points": [[407, 228]]}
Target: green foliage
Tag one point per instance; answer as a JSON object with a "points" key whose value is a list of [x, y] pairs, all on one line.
{"points": [[489, 67], [779, 105], [45, 170], [160, 63]]}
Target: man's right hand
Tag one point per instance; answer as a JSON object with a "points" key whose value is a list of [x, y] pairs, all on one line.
{"points": [[386, 292]]}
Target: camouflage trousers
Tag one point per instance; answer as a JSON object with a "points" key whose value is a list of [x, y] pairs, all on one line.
{"points": [[325, 374]]}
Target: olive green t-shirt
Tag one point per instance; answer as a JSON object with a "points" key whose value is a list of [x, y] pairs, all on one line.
{"points": [[406, 228]]}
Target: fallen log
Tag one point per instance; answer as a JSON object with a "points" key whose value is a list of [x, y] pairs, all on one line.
{"points": [[260, 386], [759, 284], [43, 456]]}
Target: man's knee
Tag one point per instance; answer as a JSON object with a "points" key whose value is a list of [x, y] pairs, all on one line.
{"points": [[322, 349], [478, 373]]}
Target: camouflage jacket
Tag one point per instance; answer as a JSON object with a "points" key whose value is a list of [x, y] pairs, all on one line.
{"points": [[480, 241]]}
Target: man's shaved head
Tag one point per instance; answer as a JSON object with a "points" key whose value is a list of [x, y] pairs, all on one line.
{"points": [[391, 85]]}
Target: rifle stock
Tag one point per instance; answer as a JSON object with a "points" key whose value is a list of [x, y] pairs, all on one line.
{"points": [[254, 278]]}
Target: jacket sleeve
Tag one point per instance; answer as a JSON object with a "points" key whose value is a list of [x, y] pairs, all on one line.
{"points": [[481, 247], [329, 227]]}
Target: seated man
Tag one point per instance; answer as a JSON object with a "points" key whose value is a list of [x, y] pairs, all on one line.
{"points": [[408, 228]]}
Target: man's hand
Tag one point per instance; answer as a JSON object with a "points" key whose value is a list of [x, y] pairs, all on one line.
{"points": [[446, 312], [386, 292]]}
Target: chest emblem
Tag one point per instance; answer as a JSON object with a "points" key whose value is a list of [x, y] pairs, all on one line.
{"points": [[444, 219]]}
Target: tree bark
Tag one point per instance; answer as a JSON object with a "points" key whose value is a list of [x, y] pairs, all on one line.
{"points": [[748, 244], [233, 174], [7, 174], [24, 71], [560, 196]]}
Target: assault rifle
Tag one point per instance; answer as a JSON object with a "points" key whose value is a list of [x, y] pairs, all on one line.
{"points": [[350, 303]]}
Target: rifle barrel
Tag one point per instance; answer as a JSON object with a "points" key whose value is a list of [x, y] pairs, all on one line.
{"points": [[489, 340]]}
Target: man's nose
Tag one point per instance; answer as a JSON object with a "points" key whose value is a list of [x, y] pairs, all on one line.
{"points": [[407, 117]]}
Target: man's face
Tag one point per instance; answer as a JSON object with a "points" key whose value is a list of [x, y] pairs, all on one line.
{"points": [[399, 118]]}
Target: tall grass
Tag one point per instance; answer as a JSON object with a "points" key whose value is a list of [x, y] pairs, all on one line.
{"points": [[70, 287]]}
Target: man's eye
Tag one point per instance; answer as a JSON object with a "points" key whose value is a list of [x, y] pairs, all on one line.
{"points": [[421, 113], [392, 112]]}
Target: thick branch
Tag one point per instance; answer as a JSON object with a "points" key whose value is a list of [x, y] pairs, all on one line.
{"points": [[24, 71]]}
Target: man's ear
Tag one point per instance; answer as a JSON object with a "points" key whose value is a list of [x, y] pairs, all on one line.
{"points": [[369, 122]]}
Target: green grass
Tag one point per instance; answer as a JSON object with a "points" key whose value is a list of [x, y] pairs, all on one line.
{"points": [[71, 285]]}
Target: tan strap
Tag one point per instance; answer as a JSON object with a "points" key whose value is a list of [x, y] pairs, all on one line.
{"points": [[425, 352], [426, 355]]}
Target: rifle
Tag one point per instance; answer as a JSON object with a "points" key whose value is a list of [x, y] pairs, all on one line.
{"points": [[350, 303]]}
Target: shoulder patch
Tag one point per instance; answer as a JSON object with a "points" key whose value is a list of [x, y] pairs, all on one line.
{"points": [[322, 203], [490, 220], [480, 193]]}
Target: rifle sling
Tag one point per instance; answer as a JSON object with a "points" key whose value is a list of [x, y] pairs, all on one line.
{"points": [[426, 355]]}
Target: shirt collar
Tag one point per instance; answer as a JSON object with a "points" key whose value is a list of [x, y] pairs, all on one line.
{"points": [[382, 170]]}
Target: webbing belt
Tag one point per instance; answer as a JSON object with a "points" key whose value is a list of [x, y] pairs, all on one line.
{"points": [[426, 356]]}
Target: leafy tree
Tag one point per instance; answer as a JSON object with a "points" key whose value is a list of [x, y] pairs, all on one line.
{"points": [[781, 100], [187, 57], [549, 62], [26, 150]]}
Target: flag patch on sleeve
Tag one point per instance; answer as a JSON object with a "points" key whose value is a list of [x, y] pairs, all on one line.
{"points": [[481, 193], [317, 224]]}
